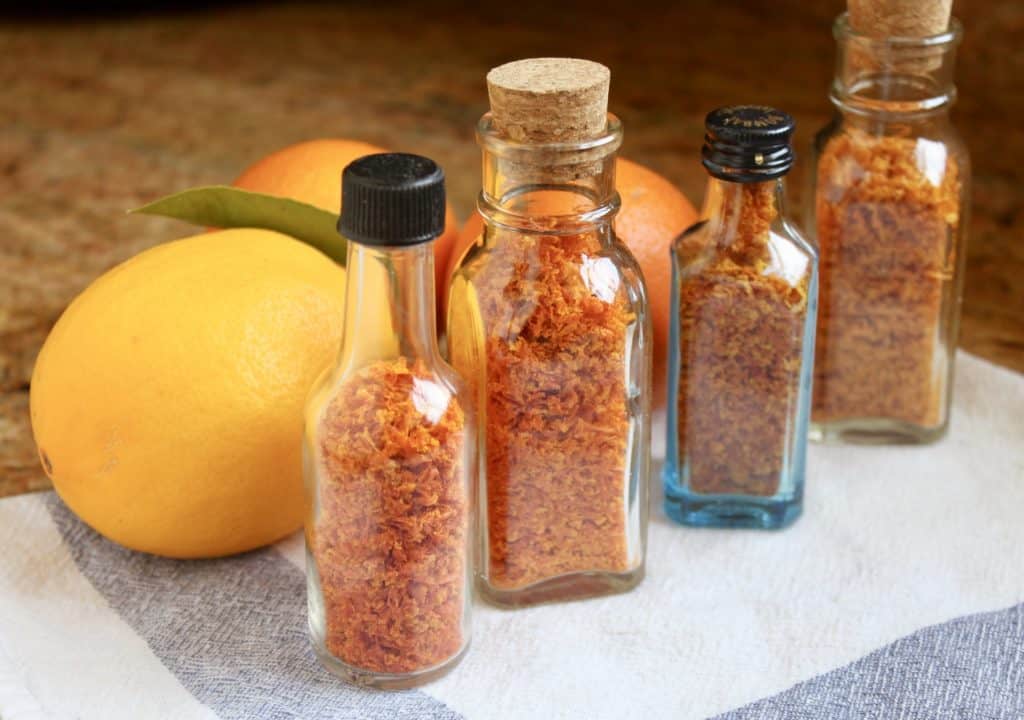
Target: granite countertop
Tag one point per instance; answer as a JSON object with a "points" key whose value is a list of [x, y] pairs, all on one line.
{"points": [[104, 114]]}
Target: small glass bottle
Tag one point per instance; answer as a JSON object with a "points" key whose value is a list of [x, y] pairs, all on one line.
{"points": [[889, 211], [389, 448], [744, 297], [548, 323]]}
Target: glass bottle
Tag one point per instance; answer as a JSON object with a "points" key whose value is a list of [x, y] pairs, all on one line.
{"points": [[548, 322], [890, 200], [744, 297], [389, 448]]}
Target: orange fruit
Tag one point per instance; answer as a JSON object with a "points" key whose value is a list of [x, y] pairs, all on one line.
{"points": [[311, 173], [654, 212]]}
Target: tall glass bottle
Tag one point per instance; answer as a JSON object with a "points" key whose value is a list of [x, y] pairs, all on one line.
{"points": [[389, 448], [548, 322], [744, 297], [890, 203]]}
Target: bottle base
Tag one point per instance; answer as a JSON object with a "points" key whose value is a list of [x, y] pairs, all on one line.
{"points": [[385, 681], [718, 512], [874, 431], [564, 588]]}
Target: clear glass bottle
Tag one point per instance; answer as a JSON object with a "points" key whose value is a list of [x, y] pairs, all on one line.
{"points": [[744, 297], [890, 201], [389, 448], [548, 322]]}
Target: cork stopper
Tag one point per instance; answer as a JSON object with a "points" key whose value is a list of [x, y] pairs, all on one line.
{"points": [[899, 18], [549, 100]]}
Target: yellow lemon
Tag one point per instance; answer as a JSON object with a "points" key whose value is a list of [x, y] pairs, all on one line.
{"points": [[167, 402]]}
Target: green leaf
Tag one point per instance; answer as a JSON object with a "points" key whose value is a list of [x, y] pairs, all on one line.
{"points": [[229, 207]]}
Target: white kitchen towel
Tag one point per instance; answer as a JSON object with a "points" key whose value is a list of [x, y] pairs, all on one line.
{"points": [[899, 594]]}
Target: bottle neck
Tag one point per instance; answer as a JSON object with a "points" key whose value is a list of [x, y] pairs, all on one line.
{"points": [[389, 304], [733, 208], [892, 76], [555, 188]]}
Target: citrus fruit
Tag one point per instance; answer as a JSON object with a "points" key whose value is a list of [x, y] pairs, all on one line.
{"points": [[167, 401], [654, 212], [311, 173]]}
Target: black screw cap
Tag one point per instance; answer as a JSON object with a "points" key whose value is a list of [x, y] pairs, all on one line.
{"points": [[748, 143], [392, 199]]}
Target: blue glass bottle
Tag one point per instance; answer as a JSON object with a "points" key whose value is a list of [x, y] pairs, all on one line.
{"points": [[744, 305]]}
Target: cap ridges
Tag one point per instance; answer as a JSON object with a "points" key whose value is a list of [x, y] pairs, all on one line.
{"points": [[392, 199]]}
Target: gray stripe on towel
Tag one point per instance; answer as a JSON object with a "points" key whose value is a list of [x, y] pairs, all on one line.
{"points": [[232, 630], [967, 668]]}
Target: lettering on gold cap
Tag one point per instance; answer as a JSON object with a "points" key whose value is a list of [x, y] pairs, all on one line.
{"points": [[769, 119]]}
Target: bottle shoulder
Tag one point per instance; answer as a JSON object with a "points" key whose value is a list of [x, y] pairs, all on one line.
{"points": [[567, 286], [782, 251], [427, 381], [500, 257], [863, 171], [789, 231], [928, 142]]}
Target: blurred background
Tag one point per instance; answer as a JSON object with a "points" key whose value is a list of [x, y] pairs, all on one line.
{"points": [[111, 106]]}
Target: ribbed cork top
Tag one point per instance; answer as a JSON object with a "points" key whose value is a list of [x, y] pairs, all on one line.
{"points": [[548, 100], [899, 18]]}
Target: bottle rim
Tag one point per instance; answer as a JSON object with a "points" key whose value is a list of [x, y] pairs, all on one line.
{"points": [[899, 77], [554, 153], [842, 30]]}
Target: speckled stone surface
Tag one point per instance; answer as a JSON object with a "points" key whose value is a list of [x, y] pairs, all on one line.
{"points": [[103, 115]]}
